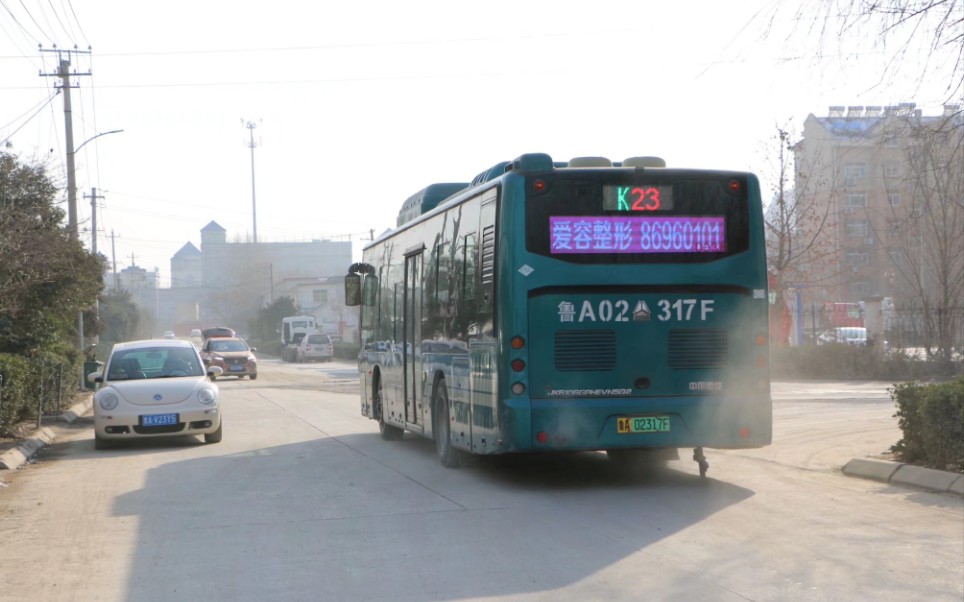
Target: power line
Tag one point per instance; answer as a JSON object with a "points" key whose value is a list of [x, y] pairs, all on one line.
{"points": [[39, 106]]}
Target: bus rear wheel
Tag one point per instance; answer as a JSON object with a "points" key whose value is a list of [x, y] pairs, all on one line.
{"points": [[388, 432], [447, 455]]}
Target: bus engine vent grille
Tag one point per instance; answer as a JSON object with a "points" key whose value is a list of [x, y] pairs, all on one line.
{"points": [[693, 349], [585, 350]]}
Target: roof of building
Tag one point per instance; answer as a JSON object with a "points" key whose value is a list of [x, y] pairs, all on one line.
{"points": [[213, 226], [187, 249]]}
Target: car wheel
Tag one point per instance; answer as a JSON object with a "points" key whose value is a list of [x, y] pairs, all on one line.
{"points": [[253, 376], [214, 437], [389, 432], [213, 378], [102, 443], [447, 454]]}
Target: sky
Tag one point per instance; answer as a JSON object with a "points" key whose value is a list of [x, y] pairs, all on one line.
{"points": [[358, 105]]}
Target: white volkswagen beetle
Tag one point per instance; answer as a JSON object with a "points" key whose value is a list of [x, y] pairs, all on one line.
{"points": [[155, 388]]}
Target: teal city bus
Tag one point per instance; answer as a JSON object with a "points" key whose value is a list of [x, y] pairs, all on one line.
{"points": [[586, 305]]}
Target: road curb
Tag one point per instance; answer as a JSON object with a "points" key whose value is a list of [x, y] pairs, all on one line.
{"points": [[14, 458], [898, 473]]}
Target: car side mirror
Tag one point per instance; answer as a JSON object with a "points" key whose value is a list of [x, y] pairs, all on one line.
{"points": [[253, 349], [215, 371]]}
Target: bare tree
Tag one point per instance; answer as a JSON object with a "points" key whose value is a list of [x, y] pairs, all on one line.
{"points": [[923, 37], [926, 232], [800, 254]]}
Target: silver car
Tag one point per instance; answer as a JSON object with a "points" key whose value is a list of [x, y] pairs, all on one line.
{"points": [[315, 347]]}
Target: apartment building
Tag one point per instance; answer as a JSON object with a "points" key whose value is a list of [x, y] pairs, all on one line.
{"points": [[881, 190]]}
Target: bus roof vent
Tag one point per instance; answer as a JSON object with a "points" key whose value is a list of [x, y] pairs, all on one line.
{"points": [[492, 173], [531, 162], [590, 162], [644, 162], [427, 199]]}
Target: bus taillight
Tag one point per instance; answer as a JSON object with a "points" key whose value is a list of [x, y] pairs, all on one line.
{"points": [[542, 437], [735, 186], [518, 342], [518, 365]]}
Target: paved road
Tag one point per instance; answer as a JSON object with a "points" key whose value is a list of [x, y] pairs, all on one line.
{"points": [[303, 501]]}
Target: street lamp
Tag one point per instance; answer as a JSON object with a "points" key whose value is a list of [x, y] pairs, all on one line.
{"points": [[72, 222]]}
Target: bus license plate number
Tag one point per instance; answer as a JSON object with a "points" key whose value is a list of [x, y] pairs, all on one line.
{"points": [[642, 424], [159, 420]]}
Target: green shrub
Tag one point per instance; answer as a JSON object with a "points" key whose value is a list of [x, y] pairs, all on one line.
{"points": [[52, 374], [931, 418], [841, 361]]}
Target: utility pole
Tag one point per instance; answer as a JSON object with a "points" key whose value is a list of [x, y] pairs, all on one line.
{"points": [[113, 254], [93, 244], [63, 72], [254, 210], [93, 218]]}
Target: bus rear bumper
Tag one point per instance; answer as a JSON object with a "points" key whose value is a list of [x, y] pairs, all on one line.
{"points": [[721, 422]]}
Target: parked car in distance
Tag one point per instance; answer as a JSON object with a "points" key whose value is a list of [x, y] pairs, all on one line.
{"points": [[851, 335], [232, 355], [315, 347], [217, 332], [155, 388], [169, 334]]}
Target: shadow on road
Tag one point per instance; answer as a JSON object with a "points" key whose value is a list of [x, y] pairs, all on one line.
{"points": [[358, 518]]}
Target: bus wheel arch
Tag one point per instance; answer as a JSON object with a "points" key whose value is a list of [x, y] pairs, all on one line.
{"points": [[388, 431]]}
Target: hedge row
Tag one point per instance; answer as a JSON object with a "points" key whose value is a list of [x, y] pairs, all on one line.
{"points": [[855, 362], [49, 379], [931, 418]]}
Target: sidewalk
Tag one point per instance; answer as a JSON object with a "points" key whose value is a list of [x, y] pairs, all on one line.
{"points": [[14, 458]]}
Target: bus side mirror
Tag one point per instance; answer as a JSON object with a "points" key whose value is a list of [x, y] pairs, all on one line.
{"points": [[371, 290], [353, 290]]}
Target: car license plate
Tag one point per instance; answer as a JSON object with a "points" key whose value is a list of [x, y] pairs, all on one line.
{"points": [[159, 420], [642, 424], [236, 368]]}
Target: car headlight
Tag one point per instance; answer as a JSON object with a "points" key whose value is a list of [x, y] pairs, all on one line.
{"points": [[206, 396], [108, 401]]}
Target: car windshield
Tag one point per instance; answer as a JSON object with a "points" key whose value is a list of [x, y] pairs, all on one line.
{"points": [[317, 339], [154, 362], [228, 346]]}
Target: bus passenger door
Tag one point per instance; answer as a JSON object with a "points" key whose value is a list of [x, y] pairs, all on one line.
{"points": [[411, 333]]}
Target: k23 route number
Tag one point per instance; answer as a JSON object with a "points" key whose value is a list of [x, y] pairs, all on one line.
{"points": [[621, 310]]}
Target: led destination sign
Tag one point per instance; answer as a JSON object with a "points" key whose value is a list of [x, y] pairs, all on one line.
{"points": [[603, 234], [637, 198]]}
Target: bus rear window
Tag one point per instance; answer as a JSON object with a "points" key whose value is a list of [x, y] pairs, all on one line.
{"points": [[666, 219]]}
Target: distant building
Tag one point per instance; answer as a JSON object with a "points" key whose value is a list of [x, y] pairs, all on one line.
{"points": [[880, 190], [225, 283], [869, 173]]}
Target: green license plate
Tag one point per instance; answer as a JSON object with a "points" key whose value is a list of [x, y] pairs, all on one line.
{"points": [[642, 424]]}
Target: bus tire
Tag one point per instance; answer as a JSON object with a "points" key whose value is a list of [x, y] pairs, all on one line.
{"points": [[447, 454], [388, 432]]}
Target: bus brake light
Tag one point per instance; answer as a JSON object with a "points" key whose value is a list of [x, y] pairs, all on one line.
{"points": [[518, 365]]}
